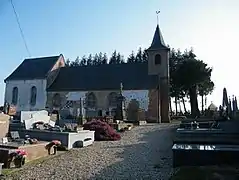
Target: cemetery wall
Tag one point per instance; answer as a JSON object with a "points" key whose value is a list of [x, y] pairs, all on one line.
{"points": [[24, 93]]}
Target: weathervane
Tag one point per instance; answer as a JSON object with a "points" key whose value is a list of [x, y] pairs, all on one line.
{"points": [[157, 12]]}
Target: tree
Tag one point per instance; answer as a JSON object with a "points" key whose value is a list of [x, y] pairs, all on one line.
{"points": [[131, 58], [76, 62], [89, 60], [67, 63], [105, 59], [100, 58], [83, 61], [119, 59], [190, 73], [139, 56], [145, 56], [175, 88], [95, 60], [113, 58], [205, 88]]}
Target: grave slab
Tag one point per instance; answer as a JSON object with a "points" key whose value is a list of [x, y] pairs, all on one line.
{"points": [[67, 138], [203, 155]]}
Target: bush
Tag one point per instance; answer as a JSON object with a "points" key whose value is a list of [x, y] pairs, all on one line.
{"points": [[103, 131]]}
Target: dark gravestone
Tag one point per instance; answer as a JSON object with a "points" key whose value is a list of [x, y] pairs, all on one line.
{"points": [[16, 137], [204, 155], [120, 112]]}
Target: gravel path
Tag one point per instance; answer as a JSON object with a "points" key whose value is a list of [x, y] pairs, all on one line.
{"points": [[142, 153]]}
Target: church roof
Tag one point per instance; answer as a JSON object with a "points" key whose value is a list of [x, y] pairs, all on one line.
{"points": [[34, 68], [158, 42], [134, 76]]}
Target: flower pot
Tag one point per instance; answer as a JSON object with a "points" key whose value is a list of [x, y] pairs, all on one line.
{"points": [[18, 162]]}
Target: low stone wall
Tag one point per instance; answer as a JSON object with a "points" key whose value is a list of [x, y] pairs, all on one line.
{"points": [[35, 151]]}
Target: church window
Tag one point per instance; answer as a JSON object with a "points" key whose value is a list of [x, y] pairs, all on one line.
{"points": [[91, 100], [33, 97], [112, 99], [157, 59], [56, 100], [14, 96]]}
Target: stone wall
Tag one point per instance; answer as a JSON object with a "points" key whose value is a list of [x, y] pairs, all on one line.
{"points": [[153, 107], [137, 102]]}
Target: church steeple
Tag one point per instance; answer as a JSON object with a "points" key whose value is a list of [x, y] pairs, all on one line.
{"points": [[158, 65], [158, 42]]}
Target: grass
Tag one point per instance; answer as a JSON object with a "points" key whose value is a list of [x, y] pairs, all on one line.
{"points": [[205, 173]]}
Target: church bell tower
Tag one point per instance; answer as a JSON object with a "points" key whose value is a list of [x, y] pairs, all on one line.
{"points": [[158, 65]]}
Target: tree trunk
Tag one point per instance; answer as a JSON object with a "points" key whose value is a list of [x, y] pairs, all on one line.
{"points": [[170, 106], [194, 101], [184, 105], [176, 106], [202, 99], [180, 108]]}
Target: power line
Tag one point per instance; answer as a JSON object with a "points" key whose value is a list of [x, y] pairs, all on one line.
{"points": [[21, 31]]}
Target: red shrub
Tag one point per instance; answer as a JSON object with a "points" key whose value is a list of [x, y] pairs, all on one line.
{"points": [[103, 131]]}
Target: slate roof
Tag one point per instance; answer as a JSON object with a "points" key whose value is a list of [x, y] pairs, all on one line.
{"points": [[134, 76], [35, 68], [158, 42]]}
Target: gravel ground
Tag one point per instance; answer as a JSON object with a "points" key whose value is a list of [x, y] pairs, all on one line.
{"points": [[142, 153]]}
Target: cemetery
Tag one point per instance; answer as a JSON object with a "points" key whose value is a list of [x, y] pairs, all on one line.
{"points": [[209, 141], [30, 135]]}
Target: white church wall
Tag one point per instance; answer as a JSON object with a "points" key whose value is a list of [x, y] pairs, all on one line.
{"points": [[76, 96], [142, 96], [24, 93]]}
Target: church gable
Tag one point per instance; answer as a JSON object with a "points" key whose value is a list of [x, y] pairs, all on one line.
{"points": [[35, 68]]}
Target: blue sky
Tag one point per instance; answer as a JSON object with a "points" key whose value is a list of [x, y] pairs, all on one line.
{"points": [[76, 28]]}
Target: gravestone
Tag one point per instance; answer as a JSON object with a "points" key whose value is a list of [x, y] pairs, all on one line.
{"points": [[31, 117], [4, 125], [203, 155]]}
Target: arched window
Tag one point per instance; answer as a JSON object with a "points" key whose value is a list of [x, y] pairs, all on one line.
{"points": [[112, 99], [33, 97], [14, 95], [157, 59], [56, 100], [91, 100]]}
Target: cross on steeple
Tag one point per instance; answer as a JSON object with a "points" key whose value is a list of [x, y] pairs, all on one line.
{"points": [[157, 12]]}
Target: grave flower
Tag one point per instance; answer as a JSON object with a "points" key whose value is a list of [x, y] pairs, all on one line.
{"points": [[53, 144], [18, 157]]}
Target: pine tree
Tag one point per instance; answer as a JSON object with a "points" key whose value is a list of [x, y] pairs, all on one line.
{"points": [[68, 63], [100, 58], [83, 61], [95, 60], [139, 56], [131, 58], [76, 62], [113, 58], [89, 60], [105, 59], [119, 59], [145, 56]]}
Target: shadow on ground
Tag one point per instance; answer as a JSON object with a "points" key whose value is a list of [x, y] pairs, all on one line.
{"points": [[149, 158]]}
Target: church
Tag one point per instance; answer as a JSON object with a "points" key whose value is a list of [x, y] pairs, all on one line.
{"points": [[46, 83]]}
